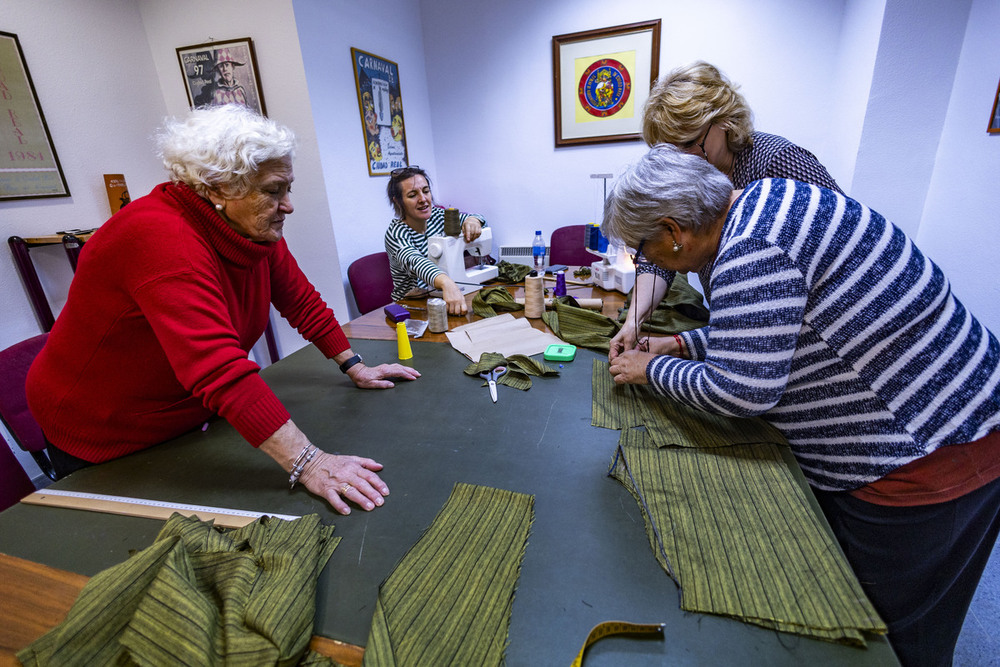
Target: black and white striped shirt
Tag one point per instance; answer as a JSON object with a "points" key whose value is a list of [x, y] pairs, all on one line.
{"points": [[827, 321]]}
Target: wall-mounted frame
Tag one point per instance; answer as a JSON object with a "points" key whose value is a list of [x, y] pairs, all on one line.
{"points": [[601, 80], [29, 166], [217, 73], [381, 105], [994, 126]]}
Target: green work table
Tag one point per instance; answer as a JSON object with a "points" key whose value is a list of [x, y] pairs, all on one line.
{"points": [[587, 560]]}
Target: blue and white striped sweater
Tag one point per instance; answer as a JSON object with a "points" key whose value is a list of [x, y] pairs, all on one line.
{"points": [[828, 322]]}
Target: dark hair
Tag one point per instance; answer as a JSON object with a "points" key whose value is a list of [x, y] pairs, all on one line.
{"points": [[393, 190]]}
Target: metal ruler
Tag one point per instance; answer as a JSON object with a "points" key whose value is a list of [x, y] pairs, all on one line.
{"points": [[141, 507]]}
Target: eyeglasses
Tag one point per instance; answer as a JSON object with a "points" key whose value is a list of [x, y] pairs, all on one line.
{"points": [[638, 257], [699, 144], [396, 172]]}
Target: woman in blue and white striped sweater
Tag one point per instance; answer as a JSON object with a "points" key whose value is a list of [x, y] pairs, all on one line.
{"points": [[828, 322]]}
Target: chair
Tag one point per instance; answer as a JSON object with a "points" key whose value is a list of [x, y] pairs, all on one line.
{"points": [[14, 482], [567, 246], [371, 281], [14, 412]]}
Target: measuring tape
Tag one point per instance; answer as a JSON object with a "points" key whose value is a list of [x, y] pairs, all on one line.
{"points": [[608, 628], [149, 509]]}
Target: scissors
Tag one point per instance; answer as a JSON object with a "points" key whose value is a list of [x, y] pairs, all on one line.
{"points": [[491, 377]]}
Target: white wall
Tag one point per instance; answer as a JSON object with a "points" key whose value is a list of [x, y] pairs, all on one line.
{"points": [[489, 68], [327, 31], [98, 90], [271, 25], [960, 224]]}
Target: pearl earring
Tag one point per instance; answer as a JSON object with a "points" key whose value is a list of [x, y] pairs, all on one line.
{"points": [[218, 207], [677, 246]]}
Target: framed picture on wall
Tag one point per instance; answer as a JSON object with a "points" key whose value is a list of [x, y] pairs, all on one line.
{"points": [[601, 79], [29, 166], [380, 103], [220, 73], [994, 126]]}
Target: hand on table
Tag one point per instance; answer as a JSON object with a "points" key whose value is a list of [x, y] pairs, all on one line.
{"points": [[629, 367], [345, 478], [625, 340], [454, 298], [377, 377]]}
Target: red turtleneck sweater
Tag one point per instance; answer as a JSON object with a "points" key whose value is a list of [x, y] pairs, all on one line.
{"points": [[165, 305]]}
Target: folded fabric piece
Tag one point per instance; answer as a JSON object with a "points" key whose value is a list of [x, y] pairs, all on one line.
{"points": [[681, 309], [519, 369], [448, 600], [489, 300], [512, 273], [199, 596], [730, 524]]}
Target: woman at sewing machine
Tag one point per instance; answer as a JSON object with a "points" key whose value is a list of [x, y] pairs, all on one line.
{"points": [[418, 219]]}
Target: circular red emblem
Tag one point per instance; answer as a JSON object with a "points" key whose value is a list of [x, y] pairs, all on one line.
{"points": [[604, 88]]}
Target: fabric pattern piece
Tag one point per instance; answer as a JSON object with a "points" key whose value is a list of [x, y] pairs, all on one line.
{"points": [[520, 368], [729, 524], [448, 600], [199, 596]]}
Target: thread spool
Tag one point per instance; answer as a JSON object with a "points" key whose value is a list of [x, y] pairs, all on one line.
{"points": [[560, 289], [452, 223], [437, 315], [534, 296], [403, 342]]}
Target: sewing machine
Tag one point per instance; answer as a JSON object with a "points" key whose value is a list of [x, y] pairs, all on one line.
{"points": [[615, 270], [448, 252]]}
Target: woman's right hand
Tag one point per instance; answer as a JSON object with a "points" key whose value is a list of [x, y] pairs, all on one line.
{"points": [[452, 295], [624, 340]]}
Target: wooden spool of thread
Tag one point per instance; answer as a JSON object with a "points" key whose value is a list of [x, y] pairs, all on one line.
{"points": [[534, 296], [452, 222], [437, 315]]}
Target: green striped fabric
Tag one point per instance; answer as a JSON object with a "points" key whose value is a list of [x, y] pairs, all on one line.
{"points": [[730, 524], [448, 600], [520, 368], [489, 300], [199, 596]]}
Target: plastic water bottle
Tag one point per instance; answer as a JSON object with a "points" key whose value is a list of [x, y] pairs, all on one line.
{"points": [[538, 251]]}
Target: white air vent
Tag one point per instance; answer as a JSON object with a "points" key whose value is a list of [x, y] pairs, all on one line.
{"points": [[518, 254]]}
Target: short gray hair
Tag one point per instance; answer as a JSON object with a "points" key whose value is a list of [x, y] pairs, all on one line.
{"points": [[222, 148], [666, 182]]}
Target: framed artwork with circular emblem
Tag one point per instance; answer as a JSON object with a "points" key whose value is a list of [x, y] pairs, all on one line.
{"points": [[601, 79]]}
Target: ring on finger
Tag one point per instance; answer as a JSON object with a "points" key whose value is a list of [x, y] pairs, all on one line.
{"points": [[345, 487]]}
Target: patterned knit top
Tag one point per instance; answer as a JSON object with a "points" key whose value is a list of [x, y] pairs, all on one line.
{"points": [[769, 156], [407, 250], [827, 321]]}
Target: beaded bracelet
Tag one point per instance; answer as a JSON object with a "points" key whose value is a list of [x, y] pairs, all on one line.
{"points": [[304, 457]]}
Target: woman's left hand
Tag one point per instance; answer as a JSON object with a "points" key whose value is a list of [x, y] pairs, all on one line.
{"points": [[472, 228], [629, 367], [377, 377], [345, 478]]}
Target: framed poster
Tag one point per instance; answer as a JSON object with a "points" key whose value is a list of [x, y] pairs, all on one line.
{"points": [[381, 105], [29, 166], [601, 79], [994, 126], [220, 73]]}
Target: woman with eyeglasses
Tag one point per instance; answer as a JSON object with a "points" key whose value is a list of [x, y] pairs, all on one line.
{"points": [[698, 109], [154, 337], [418, 219], [829, 323]]}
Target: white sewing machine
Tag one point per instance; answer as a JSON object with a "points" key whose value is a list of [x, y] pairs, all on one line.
{"points": [[615, 270], [448, 252]]}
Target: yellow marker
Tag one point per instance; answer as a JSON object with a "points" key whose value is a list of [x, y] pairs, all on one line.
{"points": [[607, 628], [403, 341]]}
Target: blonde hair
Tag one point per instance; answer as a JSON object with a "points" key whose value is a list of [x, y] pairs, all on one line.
{"points": [[221, 149], [687, 99]]}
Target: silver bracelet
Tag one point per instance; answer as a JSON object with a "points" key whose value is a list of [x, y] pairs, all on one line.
{"points": [[304, 457]]}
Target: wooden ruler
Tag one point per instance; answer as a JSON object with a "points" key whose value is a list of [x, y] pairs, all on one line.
{"points": [[149, 509]]}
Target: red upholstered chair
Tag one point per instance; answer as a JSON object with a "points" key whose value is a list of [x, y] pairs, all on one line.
{"points": [[14, 364], [14, 482], [567, 246], [371, 281]]}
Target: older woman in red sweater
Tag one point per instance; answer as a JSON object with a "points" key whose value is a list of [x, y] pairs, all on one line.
{"points": [[154, 338]]}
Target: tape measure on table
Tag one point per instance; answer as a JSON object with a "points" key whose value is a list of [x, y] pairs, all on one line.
{"points": [[608, 628], [149, 509]]}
